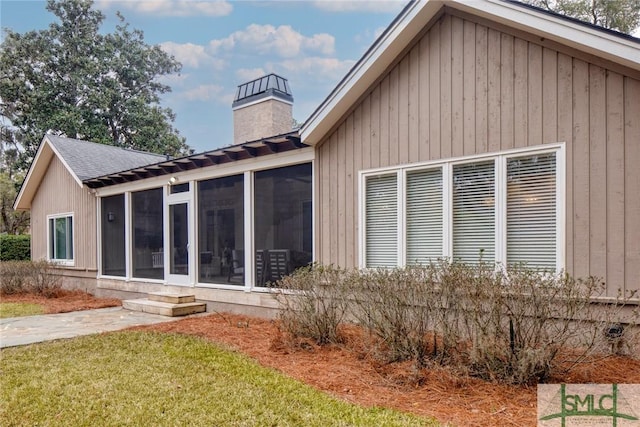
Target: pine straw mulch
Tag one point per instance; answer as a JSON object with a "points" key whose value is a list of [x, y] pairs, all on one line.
{"points": [[351, 372], [63, 301]]}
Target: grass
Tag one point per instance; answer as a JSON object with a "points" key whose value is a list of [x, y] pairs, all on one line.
{"points": [[18, 309], [146, 378]]}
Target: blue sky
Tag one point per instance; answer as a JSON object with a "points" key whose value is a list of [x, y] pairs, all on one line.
{"points": [[222, 44]]}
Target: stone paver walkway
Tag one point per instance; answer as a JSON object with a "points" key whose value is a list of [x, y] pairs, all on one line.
{"points": [[16, 331]]}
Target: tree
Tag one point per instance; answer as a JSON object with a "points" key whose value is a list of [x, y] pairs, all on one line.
{"points": [[619, 15], [74, 81]]}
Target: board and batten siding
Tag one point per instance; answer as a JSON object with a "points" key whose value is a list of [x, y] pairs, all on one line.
{"points": [[469, 87], [59, 193]]}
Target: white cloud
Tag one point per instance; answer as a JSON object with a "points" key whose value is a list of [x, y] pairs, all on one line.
{"points": [[202, 93], [374, 6], [283, 41], [318, 69], [173, 7], [192, 55], [248, 74]]}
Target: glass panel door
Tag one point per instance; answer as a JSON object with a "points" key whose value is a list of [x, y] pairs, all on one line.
{"points": [[179, 243]]}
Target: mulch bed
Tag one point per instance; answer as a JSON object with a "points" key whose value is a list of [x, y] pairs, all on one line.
{"points": [[351, 371], [64, 301]]}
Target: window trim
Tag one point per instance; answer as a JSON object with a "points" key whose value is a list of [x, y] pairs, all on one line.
{"points": [[500, 161], [68, 262]]}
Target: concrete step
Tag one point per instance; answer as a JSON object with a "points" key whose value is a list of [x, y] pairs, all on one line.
{"points": [[171, 298], [164, 308]]}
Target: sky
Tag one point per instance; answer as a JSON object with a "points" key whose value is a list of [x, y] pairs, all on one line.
{"points": [[222, 44]]}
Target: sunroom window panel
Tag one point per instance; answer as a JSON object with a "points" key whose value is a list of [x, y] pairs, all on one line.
{"points": [[148, 233], [474, 212], [531, 210], [282, 222], [424, 216], [381, 221], [221, 230]]}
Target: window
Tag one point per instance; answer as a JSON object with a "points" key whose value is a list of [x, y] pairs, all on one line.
{"points": [[531, 210], [424, 215], [282, 221], [382, 221], [221, 230], [113, 235], [61, 239], [502, 208], [474, 212]]}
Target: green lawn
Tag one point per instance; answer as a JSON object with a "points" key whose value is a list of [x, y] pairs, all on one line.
{"points": [[17, 309], [154, 379]]}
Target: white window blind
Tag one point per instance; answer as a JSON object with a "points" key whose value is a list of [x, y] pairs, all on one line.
{"points": [[474, 212], [531, 210], [381, 219], [424, 216]]}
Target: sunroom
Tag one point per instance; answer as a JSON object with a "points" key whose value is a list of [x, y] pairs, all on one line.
{"points": [[234, 218]]}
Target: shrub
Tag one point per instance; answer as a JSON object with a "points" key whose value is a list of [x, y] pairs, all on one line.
{"points": [[511, 325], [314, 301], [15, 248], [36, 277], [397, 307]]}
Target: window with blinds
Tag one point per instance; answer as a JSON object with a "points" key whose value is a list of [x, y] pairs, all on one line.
{"points": [[424, 216], [497, 208], [531, 210], [473, 208], [381, 221]]}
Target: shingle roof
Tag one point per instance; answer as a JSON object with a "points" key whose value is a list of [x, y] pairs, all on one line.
{"points": [[90, 160]]}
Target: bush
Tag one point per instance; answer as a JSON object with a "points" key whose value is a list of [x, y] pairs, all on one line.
{"points": [[15, 248], [36, 277], [514, 326], [314, 301]]}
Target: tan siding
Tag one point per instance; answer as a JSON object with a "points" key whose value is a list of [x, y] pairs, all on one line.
{"points": [[493, 86], [615, 179], [435, 91], [482, 88], [597, 172], [468, 88], [59, 193], [580, 148], [413, 125], [565, 131], [534, 105], [632, 183], [507, 72], [350, 192], [445, 88], [424, 144]]}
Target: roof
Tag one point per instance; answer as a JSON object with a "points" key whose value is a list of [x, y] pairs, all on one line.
{"points": [[268, 86], [616, 47], [232, 153], [83, 159], [88, 159]]}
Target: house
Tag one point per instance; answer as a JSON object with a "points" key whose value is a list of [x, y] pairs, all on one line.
{"points": [[485, 129]]}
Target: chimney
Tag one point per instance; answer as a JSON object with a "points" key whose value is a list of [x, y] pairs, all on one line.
{"points": [[262, 108]]}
